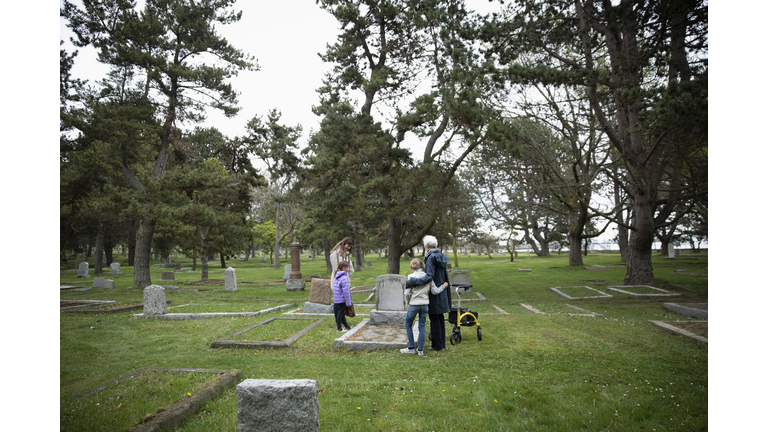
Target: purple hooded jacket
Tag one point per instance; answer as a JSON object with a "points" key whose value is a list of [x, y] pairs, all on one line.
{"points": [[341, 288]]}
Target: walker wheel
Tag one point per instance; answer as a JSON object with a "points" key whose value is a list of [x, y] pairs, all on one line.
{"points": [[479, 334], [455, 338]]}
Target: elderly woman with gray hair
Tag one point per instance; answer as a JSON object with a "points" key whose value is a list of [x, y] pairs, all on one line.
{"points": [[436, 271]]}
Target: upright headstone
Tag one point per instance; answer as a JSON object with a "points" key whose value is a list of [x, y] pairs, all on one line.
{"points": [[177, 267], [295, 281], [230, 280], [448, 266], [320, 291], [98, 282], [154, 300], [368, 264], [114, 268], [460, 277], [109, 284], [670, 251], [390, 301], [167, 276], [277, 405], [287, 273], [82, 270]]}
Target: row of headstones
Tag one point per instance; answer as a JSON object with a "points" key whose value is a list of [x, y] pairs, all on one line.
{"points": [[82, 269], [154, 295]]}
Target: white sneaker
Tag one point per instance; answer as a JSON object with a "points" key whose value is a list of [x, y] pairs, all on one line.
{"points": [[421, 353], [408, 351]]}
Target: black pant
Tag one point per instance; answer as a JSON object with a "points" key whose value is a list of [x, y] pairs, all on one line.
{"points": [[437, 331], [340, 311]]}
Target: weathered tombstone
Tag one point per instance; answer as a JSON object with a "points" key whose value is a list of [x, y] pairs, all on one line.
{"points": [[369, 264], [287, 273], [460, 277], [320, 291], [230, 280], [167, 276], [114, 268], [448, 266], [154, 300], [82, 270], [98, 282], [109, 284], [171, 287], [177, 267], [677, 252], [277, 405], [263, 259], [390, 301], [670, 251], [295, 281]]}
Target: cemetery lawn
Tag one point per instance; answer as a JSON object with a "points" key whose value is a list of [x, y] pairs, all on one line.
{"points": [[531, 372]]}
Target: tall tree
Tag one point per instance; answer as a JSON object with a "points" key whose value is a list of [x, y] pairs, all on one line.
{"points": [[185, 65], [386, 51], [643, 66], [275, 145]]}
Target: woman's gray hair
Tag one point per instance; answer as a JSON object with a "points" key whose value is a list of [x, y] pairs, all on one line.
{"points": [[430, 242]]}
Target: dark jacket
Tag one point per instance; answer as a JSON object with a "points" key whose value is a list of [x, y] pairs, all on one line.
{"points": [[436, 270]]}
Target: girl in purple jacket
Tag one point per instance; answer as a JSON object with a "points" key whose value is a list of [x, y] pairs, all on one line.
{"points": [[341, 296]]}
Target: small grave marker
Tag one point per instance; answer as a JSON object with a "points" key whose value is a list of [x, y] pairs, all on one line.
{"points": [[230, 280]]}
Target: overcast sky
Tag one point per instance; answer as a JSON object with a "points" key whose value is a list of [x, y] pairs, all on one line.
{"points": [[285, 37]]}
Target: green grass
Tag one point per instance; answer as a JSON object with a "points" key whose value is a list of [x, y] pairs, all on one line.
{"points": [[531, 372]]}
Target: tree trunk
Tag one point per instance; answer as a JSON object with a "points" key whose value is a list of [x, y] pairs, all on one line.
{"points": [[141, 276], [327, 250], [98, 260], [639, 265], [277, 237], [131, 245], [203, 254], [393, 263], [223, 263], [194, 263]]}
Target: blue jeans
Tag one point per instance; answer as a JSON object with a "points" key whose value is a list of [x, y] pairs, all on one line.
{"points": [[422, 310]]}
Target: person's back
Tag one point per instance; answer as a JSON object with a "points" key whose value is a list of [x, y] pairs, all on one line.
{"points": [[419, 294]]}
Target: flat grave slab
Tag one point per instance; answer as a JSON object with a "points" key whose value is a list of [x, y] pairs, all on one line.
{"points": [[365, 336], [690, 310], [678, 328], [65, 305], [561, 291], [205, 315], [657, 292], [171, 416], [230, 342]]}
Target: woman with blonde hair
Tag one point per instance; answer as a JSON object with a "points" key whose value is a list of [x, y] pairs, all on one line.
{"points": [[340, 252]]}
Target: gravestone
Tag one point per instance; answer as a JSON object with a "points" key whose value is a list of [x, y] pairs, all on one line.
{"points": [[109, 284], [82, 270], [230, 280], [167, 276], [177, 267], [154, 300], [677, 252], [277, 405], [670, 251], [460, 277], [320, 291], [287, 273], [369, 264], [448, 266], [390, 301], [263, 260], [114, 268], [98, 282]]}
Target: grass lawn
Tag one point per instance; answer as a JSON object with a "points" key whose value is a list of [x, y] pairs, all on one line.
{"points": [[531, 372]]}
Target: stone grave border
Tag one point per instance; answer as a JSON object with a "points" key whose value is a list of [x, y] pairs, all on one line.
{"points": [[227, 342], [663, 293], [557, 291], [110, 311], [480, 297], [174, 415], [90, 303], [687, 311], [205, 315], [678, 331], [343, 342], [536, 311], [299, 312]]}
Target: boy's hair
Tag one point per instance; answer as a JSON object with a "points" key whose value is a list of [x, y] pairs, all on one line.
{"points": [[343, 265], [416, 264]]}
